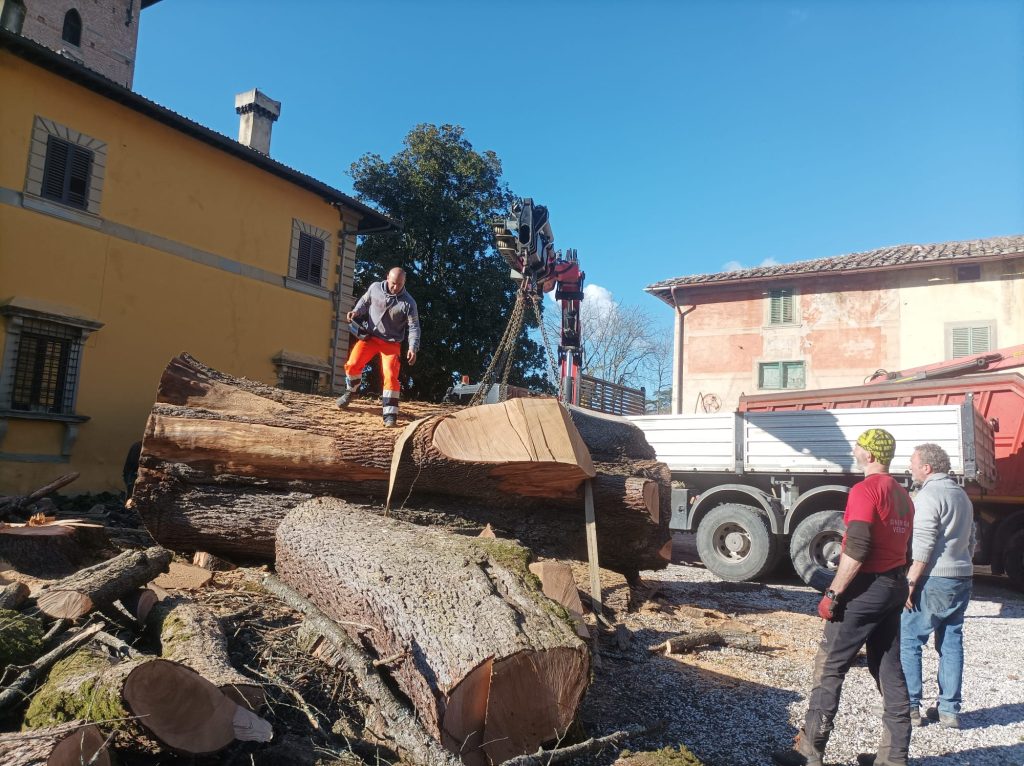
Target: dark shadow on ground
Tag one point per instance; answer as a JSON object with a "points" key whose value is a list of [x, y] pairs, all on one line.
{"points": [[997, 755], [1000, 715], [635, 687]]}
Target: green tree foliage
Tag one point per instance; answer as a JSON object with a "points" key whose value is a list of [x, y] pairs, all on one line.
{"points": [[445, 194]]}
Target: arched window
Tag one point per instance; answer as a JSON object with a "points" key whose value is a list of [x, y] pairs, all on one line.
{"points": [[72, 28]]}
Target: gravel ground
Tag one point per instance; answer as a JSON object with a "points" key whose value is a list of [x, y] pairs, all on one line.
{"points": [[733, 707]]}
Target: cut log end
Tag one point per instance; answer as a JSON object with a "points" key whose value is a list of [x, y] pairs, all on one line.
{"points": [[180, 708], [64, 604], [84, 745]]}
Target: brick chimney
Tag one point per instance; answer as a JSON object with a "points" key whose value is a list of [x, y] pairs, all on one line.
{"points": [[258, 115]]}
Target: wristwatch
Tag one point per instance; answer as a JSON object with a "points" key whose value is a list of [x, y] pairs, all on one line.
{"points": [[831, 594]]}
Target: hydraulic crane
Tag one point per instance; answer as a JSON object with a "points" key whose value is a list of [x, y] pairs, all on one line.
{"points": [[526, 242]]}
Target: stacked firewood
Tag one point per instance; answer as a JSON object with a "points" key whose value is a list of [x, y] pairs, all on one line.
{"points": [[468, 648]]}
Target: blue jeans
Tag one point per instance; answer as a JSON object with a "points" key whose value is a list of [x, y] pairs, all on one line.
{"points": [[940, 607]]}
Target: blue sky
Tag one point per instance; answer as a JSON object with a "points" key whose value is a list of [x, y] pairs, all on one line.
{"points": [[667, 138]]}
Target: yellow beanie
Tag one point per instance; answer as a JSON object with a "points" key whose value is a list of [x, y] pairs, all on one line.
{"points": [[879, 443]]}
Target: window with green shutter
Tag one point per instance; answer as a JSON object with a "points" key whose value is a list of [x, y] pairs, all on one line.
{"points": [[780, 306], [969, 339], [781, 375], [309, 266]]}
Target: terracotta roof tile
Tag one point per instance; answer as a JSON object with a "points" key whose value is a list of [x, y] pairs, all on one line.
{"points": [[884, 257]]}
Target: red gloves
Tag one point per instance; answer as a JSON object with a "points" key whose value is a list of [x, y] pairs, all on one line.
{"points": [[828, 606]]}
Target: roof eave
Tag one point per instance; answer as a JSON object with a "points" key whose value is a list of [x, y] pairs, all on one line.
{"points": [[371, 220], [666, 292]]}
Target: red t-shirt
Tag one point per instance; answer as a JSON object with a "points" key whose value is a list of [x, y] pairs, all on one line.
{"points": [[884, 504]]}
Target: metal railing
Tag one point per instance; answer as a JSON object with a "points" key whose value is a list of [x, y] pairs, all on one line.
{"points": [[605, 396]]}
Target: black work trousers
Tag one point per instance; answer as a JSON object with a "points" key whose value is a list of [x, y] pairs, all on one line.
{"points": [[869, 614]]}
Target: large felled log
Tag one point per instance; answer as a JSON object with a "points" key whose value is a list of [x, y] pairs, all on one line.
{"points": [[491, 667], [154, 698], [70, 744], [190, 634], [223, 460], [99, 586]]}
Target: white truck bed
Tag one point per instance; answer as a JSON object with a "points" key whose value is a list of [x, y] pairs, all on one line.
{"points": [[804, 441]]}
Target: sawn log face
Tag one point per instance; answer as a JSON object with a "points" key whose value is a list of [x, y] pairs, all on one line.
{"points": [[492, 666]]}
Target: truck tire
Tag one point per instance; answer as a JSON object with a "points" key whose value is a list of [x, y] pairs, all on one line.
{"points": [[815, 547], [736, 543], [1013, 559]]}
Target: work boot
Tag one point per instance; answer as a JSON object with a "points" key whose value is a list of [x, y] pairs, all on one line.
{"points": [[390, 421], [801, 754], [946, 720], [344, 400]]}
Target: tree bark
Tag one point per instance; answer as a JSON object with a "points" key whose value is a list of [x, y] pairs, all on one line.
{"points": [[69, 744], [191, 635], [225, 459], [491, 667], [99, 586], [403, 727], [165, 701]]}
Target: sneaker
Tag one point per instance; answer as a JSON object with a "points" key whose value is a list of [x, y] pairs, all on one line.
{"points": [[946, 720], [390, 421], [344, 400]]}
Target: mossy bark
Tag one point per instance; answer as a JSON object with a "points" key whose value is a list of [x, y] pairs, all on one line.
{"points": [[87, 686], [21, 638]]}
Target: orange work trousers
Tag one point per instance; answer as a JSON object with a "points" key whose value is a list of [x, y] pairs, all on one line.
{"points": [[390, 357]]}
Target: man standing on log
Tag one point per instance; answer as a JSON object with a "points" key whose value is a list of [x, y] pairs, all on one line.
{"points": [[387, 313], [862, 606]]}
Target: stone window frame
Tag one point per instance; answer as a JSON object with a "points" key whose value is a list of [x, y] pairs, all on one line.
{"points": [[292, 281], [286, 361], [33, 199], [14, 313]]}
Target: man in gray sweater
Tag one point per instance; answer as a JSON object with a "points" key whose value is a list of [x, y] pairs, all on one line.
{"points": [[940, 583]]}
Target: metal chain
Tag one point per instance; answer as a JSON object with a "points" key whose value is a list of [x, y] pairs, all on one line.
{"points": [[504, 353], [547, 343]]}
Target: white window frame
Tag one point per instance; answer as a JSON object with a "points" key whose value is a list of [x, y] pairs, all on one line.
{"points": [[987, 324]]}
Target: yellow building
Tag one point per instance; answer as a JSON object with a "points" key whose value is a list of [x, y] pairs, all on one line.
{"points": [[129, 234]]}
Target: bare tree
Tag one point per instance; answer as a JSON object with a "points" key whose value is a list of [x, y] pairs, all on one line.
{"points": [[621, 344]]}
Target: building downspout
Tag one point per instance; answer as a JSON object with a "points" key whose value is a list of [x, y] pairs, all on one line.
{"points": [[339, 324], [677, 354]]}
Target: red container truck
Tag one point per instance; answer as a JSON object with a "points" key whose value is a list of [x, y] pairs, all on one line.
{"points": [[998, 396]]}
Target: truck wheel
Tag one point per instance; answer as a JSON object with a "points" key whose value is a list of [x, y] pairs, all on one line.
{"points": [[1013, 559], [815, 547], [735, 542]]}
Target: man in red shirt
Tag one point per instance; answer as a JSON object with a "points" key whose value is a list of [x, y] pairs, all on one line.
{"points": [[862, 606]]}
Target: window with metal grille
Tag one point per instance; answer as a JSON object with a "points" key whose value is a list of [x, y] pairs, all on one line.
{"points": [[299, 379], [72, 32], [67, 173], [780, 308], [778, 375], [46, 367], [967, 340], [309, 265]]}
